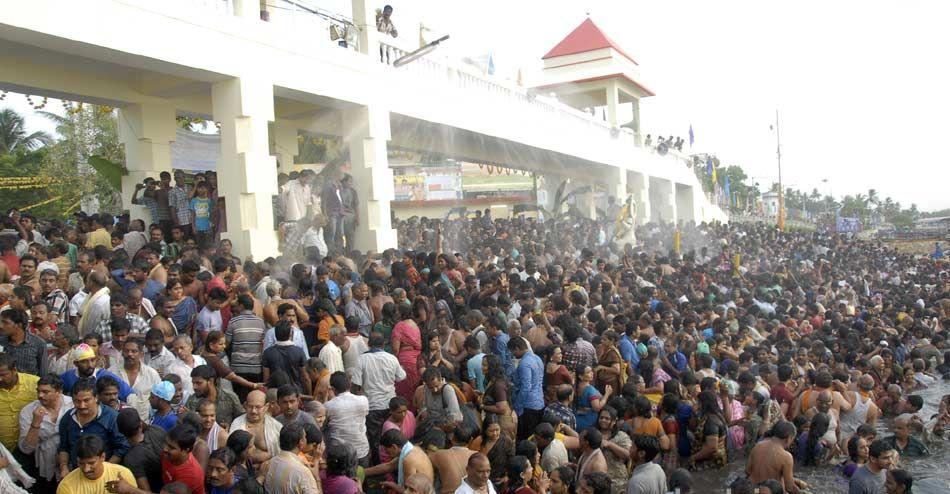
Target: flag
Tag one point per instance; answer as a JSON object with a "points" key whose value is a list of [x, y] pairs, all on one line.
{"points": [[691, 139], [715, 181], [727, 191], [709, 167], [491, 65]]}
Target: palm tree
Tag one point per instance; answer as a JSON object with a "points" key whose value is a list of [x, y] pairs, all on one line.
{"points": [[13, 136], [873, 199]]}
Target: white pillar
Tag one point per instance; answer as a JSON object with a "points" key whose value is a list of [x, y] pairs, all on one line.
{"points": [[585, 202], [247, 9], [367, 131], [364, 16], [618, 187], [147, 131], [665, 195], [685, 205], [247, 173], [286, 145], [613, 104], [640, 188]]}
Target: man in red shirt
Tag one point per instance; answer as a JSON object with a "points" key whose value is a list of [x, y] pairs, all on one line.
{"points": [[178, 464]]}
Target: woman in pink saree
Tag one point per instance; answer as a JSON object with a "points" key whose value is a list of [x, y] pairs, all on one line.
{"points": [[407, 344]]}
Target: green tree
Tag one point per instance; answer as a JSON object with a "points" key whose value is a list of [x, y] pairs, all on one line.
{"points": [[13, 135], [89, 132]]}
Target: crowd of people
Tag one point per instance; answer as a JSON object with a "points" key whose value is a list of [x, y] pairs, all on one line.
{"points": [[529, 358]]}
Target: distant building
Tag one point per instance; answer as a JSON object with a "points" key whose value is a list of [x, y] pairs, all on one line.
{"points": [[770, 203], [938, 225]]}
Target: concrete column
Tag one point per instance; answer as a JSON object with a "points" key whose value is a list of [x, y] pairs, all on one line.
{"points": [[286, 145], [663, 200], [146, 131], [247, 9], [685, 209], [613, 104], [364, 16], [585, 202], [367, 131], [635, 107], [618, 187], [247, 173], [640, 188]]}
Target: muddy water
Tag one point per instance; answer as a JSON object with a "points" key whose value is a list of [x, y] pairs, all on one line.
{"points": [[931, 474]]}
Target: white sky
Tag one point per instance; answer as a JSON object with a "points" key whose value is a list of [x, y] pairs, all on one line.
{"points": [[861, 85]]}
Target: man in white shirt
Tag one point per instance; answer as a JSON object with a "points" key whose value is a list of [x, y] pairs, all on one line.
{"points": [[376, 374], [647, 477], [346, 417], [331, 354], [156, 355], [477, 475], [297, 196], [140, 377]]}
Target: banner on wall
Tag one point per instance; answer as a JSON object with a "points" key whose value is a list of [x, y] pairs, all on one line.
{"points": [[195, 152], [848, 225], [409, 187], [442, 187]]}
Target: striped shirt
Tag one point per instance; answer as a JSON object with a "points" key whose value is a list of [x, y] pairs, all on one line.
{"points": [[139, 326], [288, 475], [58, 304], [178, 199], [245, 335], [30, 355]]}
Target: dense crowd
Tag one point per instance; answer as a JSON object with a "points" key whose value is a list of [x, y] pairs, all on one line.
{"points": [[484, 355]]}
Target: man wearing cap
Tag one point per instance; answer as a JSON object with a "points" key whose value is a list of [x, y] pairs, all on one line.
{"points": [[84, 357], [163, 392]]}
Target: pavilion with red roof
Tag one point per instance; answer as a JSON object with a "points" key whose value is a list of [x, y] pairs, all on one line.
{"points": [[587, 70]]}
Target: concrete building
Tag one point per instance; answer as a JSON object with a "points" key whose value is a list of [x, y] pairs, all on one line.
{"points": [[266, 82]]}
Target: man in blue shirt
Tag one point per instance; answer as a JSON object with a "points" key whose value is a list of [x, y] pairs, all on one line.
{"points": [[528, 401], [84, 357], [88, 417], [474, 364], [675, 359], [499, 341], [628, 342]]}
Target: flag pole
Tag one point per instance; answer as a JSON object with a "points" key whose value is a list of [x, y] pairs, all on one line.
{"points": [[781, 191]]}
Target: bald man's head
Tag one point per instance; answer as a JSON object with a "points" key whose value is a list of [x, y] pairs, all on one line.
{"points": [[825, 400], [419, 484], [256, 406], [478, 471]]}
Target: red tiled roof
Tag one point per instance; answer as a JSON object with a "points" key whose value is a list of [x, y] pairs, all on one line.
{"points": [[584, 38]]}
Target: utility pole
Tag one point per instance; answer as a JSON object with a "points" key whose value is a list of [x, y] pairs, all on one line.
{"points": [[781, 190]]}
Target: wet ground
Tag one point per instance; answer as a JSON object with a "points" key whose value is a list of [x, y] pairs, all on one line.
{"points": [[931, 474]]}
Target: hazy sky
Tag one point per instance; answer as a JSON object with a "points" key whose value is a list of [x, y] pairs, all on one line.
{"points": [[861, 85]]}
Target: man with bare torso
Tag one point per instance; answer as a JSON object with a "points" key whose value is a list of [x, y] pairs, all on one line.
{"points": [[162, 320], [194, 287], [770, 460], [407, 459], [810, 397], [264, 428], [450, 463], [377, 299]]}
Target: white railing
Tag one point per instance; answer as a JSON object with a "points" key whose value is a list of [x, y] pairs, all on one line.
{"points": [[580, 124]]}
